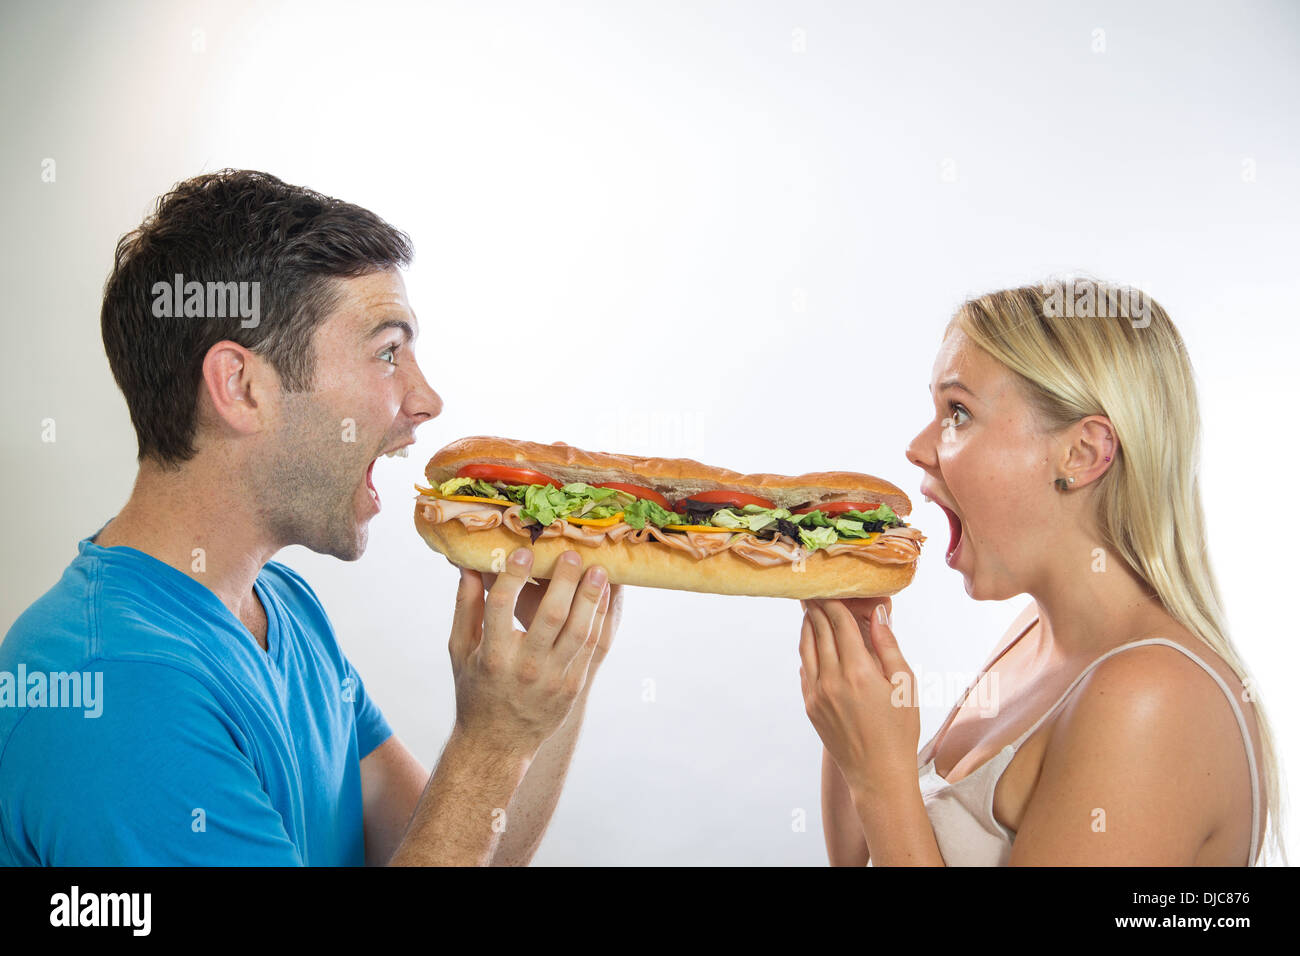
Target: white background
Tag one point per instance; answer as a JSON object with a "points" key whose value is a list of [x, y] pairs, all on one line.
{"points": [[719, 230]]}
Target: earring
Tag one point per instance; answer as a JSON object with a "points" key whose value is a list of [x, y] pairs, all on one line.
{"points": [[1061, 483]]}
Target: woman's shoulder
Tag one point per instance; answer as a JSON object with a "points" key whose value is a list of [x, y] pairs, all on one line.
{"points": [[1160, 693], [1187, 670]]}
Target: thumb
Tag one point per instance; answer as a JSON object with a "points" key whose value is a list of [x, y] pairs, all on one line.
{"points": [[467, 621]]}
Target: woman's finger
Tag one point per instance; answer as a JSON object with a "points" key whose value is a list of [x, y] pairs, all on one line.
{"points": [[887, 649], [854, 634], [828, 658], [808, 650]]}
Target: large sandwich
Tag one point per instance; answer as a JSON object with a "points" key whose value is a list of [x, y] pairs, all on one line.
{"points": [[668, 522]]}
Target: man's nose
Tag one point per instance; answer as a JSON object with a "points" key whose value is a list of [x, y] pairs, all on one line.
{"points": [[422, 402]]}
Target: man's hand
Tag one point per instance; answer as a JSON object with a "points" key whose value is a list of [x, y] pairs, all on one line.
{"points": [[531, 596], [515, 688]]}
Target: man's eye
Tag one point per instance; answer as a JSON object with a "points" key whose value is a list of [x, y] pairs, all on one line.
{"points": [[390, 351]]}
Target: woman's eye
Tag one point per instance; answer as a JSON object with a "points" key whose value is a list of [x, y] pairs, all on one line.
{"points": [[956, 408]]}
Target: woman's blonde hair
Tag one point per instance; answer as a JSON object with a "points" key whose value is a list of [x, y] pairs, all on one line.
{"points": [[1082, 347]]}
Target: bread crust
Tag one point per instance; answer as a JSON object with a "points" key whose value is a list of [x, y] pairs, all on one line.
{"points": [[675, 477], [650, 564]]}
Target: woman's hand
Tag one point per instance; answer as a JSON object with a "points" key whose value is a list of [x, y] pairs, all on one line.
{"points": [[859, 692]]}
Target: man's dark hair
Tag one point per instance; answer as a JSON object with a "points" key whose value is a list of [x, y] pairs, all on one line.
{"points": [[231, 226]]}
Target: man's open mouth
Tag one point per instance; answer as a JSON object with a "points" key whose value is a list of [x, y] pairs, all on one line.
{"points": [[400, 451], [370, 482]]}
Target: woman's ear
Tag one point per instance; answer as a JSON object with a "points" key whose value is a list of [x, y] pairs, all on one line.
{"points": [[1092, 451]]}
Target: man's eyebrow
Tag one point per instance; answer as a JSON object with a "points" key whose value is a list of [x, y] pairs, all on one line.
{"points": [[402, 324], [956, 383]]}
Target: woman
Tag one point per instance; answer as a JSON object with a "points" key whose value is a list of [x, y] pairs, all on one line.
{"points": [[1124, 732]]}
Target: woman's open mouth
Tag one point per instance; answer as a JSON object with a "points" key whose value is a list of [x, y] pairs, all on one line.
{"points": [[955, 534]]}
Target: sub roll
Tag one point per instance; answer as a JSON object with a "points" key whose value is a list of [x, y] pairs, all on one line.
{"points": [[667, 522]]}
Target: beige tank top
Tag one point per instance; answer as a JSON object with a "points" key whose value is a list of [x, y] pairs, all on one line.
{"points": [[962, 813]]}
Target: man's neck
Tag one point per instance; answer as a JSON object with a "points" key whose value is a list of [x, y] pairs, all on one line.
{"points": [[204, 526]]}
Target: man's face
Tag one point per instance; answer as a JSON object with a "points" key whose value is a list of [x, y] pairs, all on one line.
{"points": [[369, 395]]}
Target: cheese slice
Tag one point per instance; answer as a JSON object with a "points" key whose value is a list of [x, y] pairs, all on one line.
{"points": [[597, 522], [433, 493], [867, 540], [698, 527]]}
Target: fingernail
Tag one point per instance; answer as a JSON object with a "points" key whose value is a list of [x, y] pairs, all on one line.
{"points": [[597, 576], [571, 557], [882, 615], [521, 557]]}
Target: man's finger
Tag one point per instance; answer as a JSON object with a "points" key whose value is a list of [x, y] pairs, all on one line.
{"points": [[611, 615], [467, 620], [582, 622], [581, 662], [499, 616], [554, 609]]}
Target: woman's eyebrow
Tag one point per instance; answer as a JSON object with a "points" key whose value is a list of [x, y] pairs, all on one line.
{"points": [[956, 383]]}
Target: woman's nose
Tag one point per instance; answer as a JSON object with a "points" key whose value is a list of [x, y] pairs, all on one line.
{"points": [[920, 450]]}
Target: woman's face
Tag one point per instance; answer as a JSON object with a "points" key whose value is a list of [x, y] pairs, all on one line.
{"points": [[991, 469]]}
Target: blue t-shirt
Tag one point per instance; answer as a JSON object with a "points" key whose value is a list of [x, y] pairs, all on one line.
{"points": [[177, 740]]}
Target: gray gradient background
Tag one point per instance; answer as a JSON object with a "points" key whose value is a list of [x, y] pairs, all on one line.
{"points": [[646, 173]]}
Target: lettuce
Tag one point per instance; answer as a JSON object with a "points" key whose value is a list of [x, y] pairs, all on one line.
{"points": [[469, 486], [752, 520], [643, 509], [818, 538], [883, 514], [545, 503]]}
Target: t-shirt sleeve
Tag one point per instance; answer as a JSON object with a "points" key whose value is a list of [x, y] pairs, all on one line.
{"points": [[372, 728], [161, 776]]}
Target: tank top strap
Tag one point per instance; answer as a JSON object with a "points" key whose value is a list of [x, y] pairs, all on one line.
{"points": [[1241, 723], [928, 748]]}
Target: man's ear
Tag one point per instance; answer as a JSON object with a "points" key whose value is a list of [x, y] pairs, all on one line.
{"points": [[1092, 452], [235, 383]]}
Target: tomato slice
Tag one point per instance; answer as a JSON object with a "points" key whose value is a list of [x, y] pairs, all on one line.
{"points": [[839, 507], [511, 476], [737, 499], [639, 490]]}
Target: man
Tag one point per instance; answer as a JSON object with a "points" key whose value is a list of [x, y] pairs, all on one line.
{"points": [[261, 335]]}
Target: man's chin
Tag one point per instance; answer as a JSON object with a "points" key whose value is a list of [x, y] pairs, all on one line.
{"points": [[346, 542]]}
